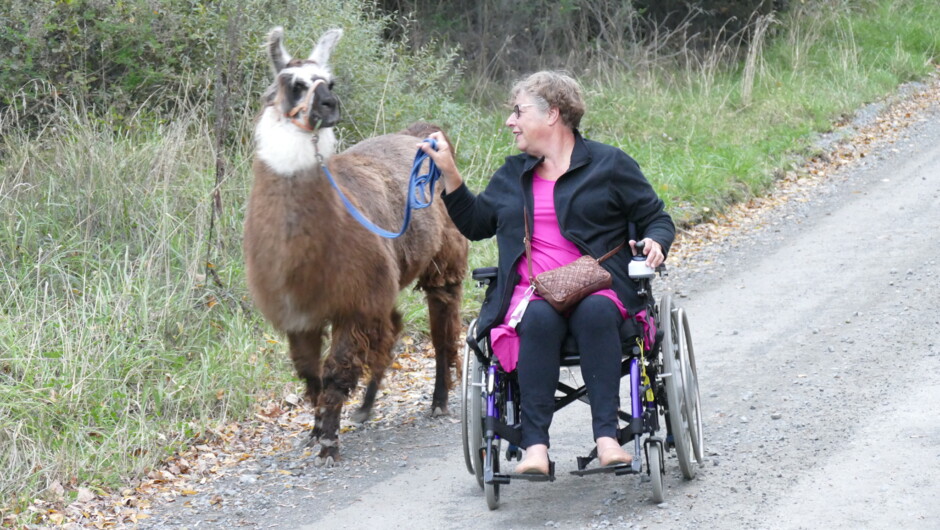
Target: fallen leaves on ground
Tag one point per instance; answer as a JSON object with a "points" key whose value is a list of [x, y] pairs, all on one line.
{"points": [[279, 419]]}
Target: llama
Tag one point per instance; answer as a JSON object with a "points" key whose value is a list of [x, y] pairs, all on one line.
{"points": [[312, 267]]}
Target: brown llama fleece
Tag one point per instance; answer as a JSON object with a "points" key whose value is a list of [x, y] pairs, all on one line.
{"points": [[312, 268]]}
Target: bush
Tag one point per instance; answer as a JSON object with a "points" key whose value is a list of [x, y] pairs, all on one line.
{"points": [[502, 39], [117, 57]]}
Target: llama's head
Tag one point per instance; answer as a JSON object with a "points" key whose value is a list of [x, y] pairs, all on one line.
{"points": [[302, 89], [298, 104]]}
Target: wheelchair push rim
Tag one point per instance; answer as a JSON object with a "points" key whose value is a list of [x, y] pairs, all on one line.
{"points": [[465, 403], [693, 400], [676, 410], [471, 410]]}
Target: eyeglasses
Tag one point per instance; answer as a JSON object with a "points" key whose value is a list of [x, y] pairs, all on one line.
{"points": [[517, 109]]}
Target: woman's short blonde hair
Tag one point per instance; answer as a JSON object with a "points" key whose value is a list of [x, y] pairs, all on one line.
{"points": [[553, 89]]}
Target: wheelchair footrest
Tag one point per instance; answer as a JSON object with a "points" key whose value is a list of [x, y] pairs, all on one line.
{"points": [[531, 477], [619, 469]]}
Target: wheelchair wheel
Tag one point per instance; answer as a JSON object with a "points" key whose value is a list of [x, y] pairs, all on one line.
{"points": [[492, 490], [693, 400], [654, 460], [465, 387], [471, 410], [676, 409]]}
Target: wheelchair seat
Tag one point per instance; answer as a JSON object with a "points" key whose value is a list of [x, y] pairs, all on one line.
{"points": [[630, 330]]}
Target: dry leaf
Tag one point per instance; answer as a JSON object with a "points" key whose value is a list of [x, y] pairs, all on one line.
{"points": [[56, 490], [84, 495]]}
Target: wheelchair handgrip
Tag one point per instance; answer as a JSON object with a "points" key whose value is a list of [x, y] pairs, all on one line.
{"points": [[485, 274]]}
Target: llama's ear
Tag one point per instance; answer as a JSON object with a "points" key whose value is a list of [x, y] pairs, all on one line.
{"points": [[276, 50], [321, 54]]}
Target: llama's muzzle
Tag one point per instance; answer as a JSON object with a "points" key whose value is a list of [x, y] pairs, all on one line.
{"points": [[312, 112]]}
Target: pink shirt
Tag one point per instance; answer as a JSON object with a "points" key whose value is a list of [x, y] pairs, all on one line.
{"points": [[550, 250]]}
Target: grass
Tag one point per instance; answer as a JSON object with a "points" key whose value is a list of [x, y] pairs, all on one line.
{"points": [[116, 350], [704, 144]]}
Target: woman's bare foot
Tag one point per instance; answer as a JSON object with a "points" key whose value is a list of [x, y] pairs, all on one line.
{"points": [[609, 452], [535, 460]]}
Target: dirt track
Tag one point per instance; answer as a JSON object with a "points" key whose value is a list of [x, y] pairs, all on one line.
{"points": [[817, 337]]}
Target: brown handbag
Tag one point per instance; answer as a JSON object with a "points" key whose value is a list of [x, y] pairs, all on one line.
{"points": [[563, 287]]}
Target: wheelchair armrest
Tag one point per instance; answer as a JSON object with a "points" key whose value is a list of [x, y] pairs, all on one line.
{"points": [[485, 275]]}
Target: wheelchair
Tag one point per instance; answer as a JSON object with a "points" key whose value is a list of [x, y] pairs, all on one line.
{"points": [[663, 386]]}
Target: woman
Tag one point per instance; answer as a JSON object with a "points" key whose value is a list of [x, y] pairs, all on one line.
{"points": [[579, 197]]}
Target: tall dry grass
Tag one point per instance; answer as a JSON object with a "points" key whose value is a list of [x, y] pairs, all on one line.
{"points": [[114, 349]]}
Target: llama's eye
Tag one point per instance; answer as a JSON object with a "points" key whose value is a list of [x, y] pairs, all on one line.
{"points": [[297, 91], [330, 85]]}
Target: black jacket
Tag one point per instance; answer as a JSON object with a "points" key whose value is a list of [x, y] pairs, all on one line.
{"points": [[595, 200]]}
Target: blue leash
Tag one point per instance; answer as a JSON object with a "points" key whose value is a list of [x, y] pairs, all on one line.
{"points": [[415, 201]]}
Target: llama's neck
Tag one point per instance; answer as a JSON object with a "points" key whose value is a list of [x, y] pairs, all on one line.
{"points": [[286, 148]]}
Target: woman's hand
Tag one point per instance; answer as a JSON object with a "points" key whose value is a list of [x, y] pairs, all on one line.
{"points": [[652, 250], [444, 160]]}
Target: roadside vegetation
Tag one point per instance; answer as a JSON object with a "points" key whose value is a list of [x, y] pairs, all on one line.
{"points": [[125, 327]]}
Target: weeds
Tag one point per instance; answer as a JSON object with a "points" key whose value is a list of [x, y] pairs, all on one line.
{"points": [[112, 346]]}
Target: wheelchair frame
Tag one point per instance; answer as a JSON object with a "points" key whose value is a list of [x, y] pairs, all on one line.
{"points": [[663, 383]]}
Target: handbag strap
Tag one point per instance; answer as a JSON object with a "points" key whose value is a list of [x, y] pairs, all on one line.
{"points": [[528, 247], [612, 252]]}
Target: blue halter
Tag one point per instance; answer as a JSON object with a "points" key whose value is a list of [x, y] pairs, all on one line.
{"points": [[416, 183]]}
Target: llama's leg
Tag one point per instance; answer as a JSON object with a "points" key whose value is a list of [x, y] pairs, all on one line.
{"points": [[305, 348], [380, 356], [444, 313], [341, 372]]}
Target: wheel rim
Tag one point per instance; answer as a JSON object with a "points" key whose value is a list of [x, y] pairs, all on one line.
{"points": [[693, 400], [465, 387], [674, 382], [476, 419], [474, 395]]}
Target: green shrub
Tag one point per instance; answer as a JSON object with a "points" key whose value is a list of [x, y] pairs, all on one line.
{"points": [[119, 58], [501, 40]]}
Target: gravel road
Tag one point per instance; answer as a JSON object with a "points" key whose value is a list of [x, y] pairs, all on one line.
{"points": [[816, 334]]}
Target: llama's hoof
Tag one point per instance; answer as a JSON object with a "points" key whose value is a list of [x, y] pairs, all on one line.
{"points": [[437, 412], [328, 457], [324, 462], [360, 416]]}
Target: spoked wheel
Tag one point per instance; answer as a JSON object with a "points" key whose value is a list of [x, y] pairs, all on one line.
{"points": [[492, 490], [654, 459], [693, 401], [471, 409], [677, 412]]}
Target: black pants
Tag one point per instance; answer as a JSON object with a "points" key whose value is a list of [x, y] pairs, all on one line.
{"points": [[595, 325]]}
